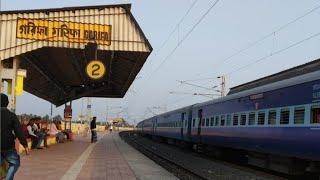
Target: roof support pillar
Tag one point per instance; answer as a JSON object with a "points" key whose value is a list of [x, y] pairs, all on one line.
{"points": [[8, 73]]}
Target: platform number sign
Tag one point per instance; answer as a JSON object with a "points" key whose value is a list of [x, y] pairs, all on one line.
{"points": [[95, 69]]}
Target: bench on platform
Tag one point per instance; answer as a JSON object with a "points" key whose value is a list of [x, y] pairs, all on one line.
{"points": [[50, 141]]}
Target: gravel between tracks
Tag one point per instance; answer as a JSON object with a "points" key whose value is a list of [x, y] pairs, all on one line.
{"points": [[189, 165]]}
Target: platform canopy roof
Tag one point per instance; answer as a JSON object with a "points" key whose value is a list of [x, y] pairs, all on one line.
{"points": [[286, 74], [55, 46]]}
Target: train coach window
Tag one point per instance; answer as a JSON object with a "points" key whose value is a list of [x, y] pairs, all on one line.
{"points": [[203, 121], [211, 121], [299, 115], [315, 114], [217, 121], [284, 116], [228, 120], [207, 122], [235, 119], [243, 119], [252, 118], [193, 122], [272, 117], [261, 118], [223, 120]]}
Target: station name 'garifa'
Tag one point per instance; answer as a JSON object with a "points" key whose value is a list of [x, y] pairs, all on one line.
{"points": [[76, 32]]}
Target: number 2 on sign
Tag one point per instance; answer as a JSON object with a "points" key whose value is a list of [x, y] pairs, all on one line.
{"points": [[95, 69]]}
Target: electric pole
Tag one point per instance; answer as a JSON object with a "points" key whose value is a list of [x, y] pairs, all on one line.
{"points": [[223, 85]]}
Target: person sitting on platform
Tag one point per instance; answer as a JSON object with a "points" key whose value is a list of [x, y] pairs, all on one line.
{"points": [[59, 127], [39, 131], [53, 131], [24, 127], [36, 140]]}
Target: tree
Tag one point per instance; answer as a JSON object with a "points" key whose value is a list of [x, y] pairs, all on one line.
{"points": [[57, 118], [46, 117]]}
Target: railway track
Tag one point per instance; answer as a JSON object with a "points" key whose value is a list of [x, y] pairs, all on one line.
{"points": [[188, 165]]}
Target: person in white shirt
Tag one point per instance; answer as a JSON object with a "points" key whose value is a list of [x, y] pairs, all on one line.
{"points": [[36, 140]]}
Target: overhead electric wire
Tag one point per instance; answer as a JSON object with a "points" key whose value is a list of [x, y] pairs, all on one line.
{"points": [[267, 36], [272, 54], [186, 36], [178, 24]]}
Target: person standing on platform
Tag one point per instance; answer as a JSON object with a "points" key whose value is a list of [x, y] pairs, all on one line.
{"points": [[9, 125], [93, 127]]}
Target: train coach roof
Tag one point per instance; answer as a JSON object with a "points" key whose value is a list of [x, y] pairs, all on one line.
{"points": [[286, 74], [315, 75]]}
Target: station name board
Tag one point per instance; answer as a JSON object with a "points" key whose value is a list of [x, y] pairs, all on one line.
{"points": [[62, 31]]}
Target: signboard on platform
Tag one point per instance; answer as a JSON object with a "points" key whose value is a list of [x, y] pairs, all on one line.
{"points": [[74, 32], [68, 112]]}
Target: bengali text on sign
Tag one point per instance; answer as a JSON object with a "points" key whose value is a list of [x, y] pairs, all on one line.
{"points": [[48, 30]]}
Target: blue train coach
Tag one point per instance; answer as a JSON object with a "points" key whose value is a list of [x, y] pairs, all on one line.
{"points": [[275, 120]]}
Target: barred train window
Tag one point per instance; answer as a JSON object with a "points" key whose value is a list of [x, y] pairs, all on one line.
{"points": [[272, 117], [284, 116], [235, 119], [261, 118], [207, 122], [223, 120], [299, 115], [315, 114], [228, 120], [217, 121], [252, 118], [243, 119], [211, 121], [202, 121]]}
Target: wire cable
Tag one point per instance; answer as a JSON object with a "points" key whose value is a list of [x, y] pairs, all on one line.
{"points": [[266, 36], [178, 24], [186, 36], [275, 53]]}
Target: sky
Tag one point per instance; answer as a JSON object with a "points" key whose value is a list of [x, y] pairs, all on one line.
{"points": [[287, 32]]}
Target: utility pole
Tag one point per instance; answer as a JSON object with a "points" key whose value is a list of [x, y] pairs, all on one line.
{"points": [[88, 109], [223, 85], [51, 112]]}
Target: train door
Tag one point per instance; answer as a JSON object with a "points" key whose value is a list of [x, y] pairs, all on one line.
{"points": [[199, 123], [154, 126], [182, 123], [189, 124]]}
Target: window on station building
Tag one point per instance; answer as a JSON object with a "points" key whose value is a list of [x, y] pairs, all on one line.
{"points": [[284, 116], [272, 118], [217, 121], [315, 114], [252, 118], [299, 115], [211, 121], [261, 118], [243, 119], [235, 119], [228, 120], [207, 122], [223, 120]]}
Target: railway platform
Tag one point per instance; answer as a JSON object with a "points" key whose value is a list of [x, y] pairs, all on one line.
{"points": [[109, 158]]}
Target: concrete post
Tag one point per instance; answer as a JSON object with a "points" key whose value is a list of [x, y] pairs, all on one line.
{"points": [[1, 79], [13, 98], [8, 72]]}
